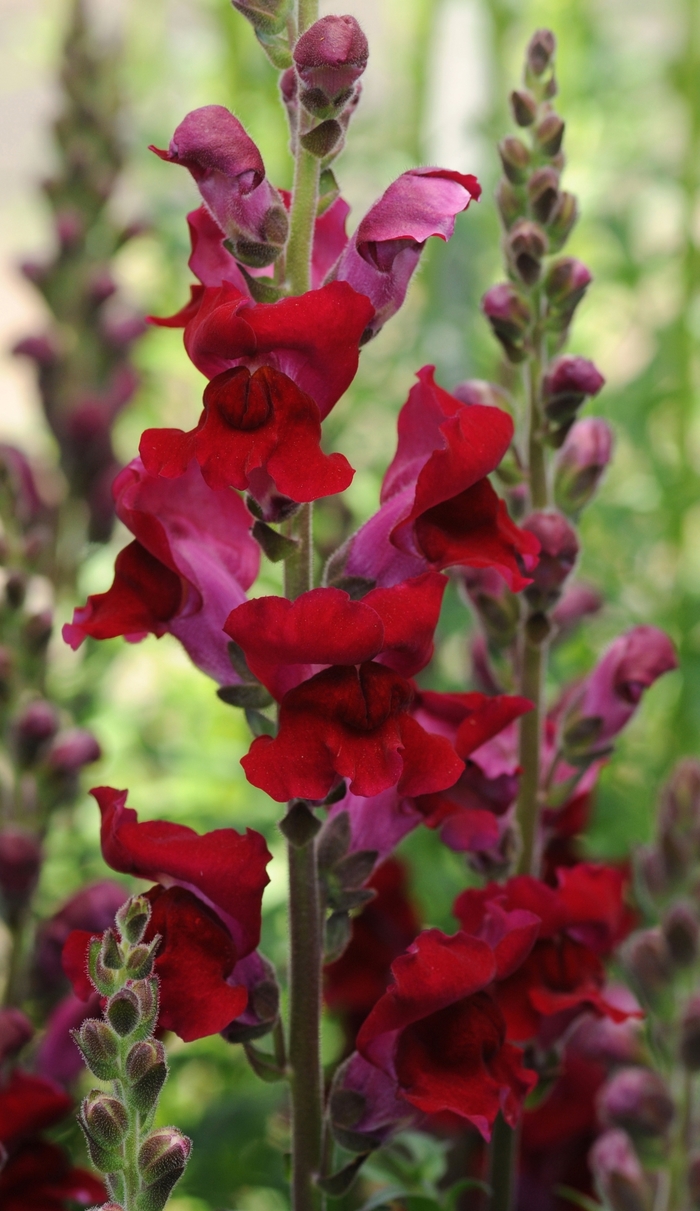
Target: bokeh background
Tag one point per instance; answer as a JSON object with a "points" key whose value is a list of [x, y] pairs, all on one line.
{"points": [[435, 92]]}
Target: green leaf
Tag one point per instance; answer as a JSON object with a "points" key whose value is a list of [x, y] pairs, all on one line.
{"points": [[576, 1197], [254, 696], [259, 724]]}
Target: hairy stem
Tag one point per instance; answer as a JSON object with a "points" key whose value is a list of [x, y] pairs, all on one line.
{"points": [[504, 1146], [305, 1026], [299, 567], [305, 191], [534, 658]]}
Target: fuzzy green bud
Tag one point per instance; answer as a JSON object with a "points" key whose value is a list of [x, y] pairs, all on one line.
{"points": [[162, 1160], [124, 1012], [132, 919], [105, 1119], [99, 1047], [147, 1071]]}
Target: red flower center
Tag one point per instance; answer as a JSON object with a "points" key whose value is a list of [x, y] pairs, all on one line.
{"points": [[243, 400], [372, 695]]}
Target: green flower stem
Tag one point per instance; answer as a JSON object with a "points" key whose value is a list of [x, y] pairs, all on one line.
{"points": [[305, 191], [537, 465], [299, 567], [504, 1150], [534, 661]]}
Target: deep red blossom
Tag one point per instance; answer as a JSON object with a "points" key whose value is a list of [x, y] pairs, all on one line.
{"points": [[253, 425], [384, 929], [564, 974], [38, 1175], [438, 509], [206, 910], [382, 255], [193, 558], [344, 721], [441, 1036], [312, 338]]}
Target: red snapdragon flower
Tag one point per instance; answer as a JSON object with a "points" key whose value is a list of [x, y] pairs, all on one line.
{"points": [[584, 917], [38, 1175], [438, 508], [205, 906], [192, 559], [439, 1034], [351, 719]]}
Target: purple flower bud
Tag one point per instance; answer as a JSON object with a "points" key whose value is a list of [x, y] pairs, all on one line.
{"points": [[647, 959], [330, 57], [609, 1042], [163, 1152], [526, 245], [26, 501], [559, 548], [101, 286], [15, 1031], [564, 388], [679, 819], [549, 133], [638, 1100], [578, 601], [561, 222], [618, 1172], [71, 750], [39, 348], [681, 930], [540, 51], [515, 158], [365, 1107], [20, 863], [581, 463], [566, 283], [36, 725], [690, 1034], [230, 176], [259, 1017], [509, 315], [543, 193]]}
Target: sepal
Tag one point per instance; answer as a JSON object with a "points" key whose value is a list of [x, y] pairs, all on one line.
{"points": [[132, 919], [99, 1048]]}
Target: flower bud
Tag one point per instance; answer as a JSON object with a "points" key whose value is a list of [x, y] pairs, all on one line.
{"points": [[679, 819], [559, 548], [540, 52], [543, 193], [100, 1048], [567, 383], [526, 245], [266, 16], [549, 133], [515, 158], [509, 315], [163, 1157], [681, 930], [646, 957], [511, 203], [329, 58], [524, 106], [20, 864], [323, 139], [578, 601], [37, 724], [139, 963], [146, 1071], [638, 1100], [618, 1172], [690, 1034], [132, 919], [565, 285], [37, 631], [497, 607], [105, 1119], [15, 1031], [123, 1011], [71, 750], [581, 462]]}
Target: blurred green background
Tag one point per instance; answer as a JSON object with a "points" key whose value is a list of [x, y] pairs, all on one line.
{"points": [[435, 92]]}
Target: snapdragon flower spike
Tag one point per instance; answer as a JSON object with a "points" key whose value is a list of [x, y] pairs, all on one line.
{"points": [[230, 175], [205, 907], [350, 719], [255, 428], [192, 558], [439, 1034], [597, 711], [384, 252], [563, 975], [438, 508]]}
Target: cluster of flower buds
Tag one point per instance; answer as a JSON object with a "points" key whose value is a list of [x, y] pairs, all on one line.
{"points": [[141, 1165], [84, 372]]}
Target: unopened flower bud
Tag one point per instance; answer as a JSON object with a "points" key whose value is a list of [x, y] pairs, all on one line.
{"points": [[20, 864], [37, 724], [526, 246], [37, 630], [105, 1118], [509, 315], [568, 382], [15, 1031], [139, 963], [497, 607], [511, 202], [540, 51], [559, 548], [132, 918], [690, 1034], [543, 193], [330, 57], [618, 1172], [578, 601], [549, 134], [646, 957], [681, 930], [524, 106], [638, 1100], [581, 463], [321, 140], [71, 750], [515, 158], [565, 284], [266, 16], [123, 1011], [146, 1070], [163, 1157], [679, 818], [100, 1048]]}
